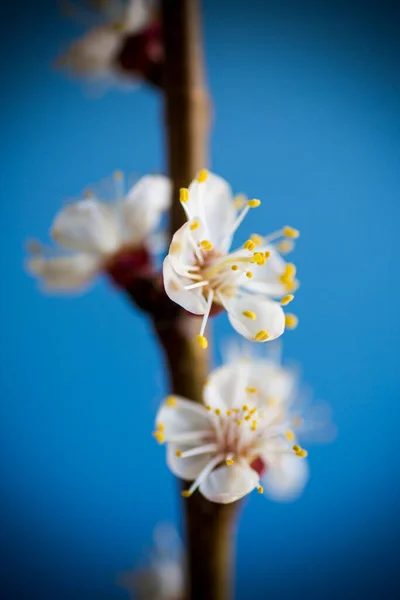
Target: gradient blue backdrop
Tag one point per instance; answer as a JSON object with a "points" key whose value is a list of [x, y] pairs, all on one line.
{"points": [[307, 118]]}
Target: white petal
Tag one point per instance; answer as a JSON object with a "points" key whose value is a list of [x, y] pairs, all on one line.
{"points": [[87, 226], [183, 417], [181, 251], [286, 480], [64, 273], [144, 205], [212, 201], [186, 468], [93, 54], [269, 316], [228, 484], [225, 388], [174, 284]]}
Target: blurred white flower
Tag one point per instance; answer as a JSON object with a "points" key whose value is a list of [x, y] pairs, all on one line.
{"points": [[202, 277], [96, 55], [112, 238], [242, 438], [163, 577]]}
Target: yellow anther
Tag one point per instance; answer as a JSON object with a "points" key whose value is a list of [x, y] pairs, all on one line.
{"points": [[202, 176], [171, 401], [217, 411], [202, 341], [249, 245], [195, 225], [249, 314], [267, 254], [229, 462], [239, 201], [260, 489], [234, 267], [290, 232], [289, 435], [254, 425], [253, 410], [175, 247], [159, 436], [303, 453], [286, 299], [178, 453], [236, 410], [257, 239], [160, 426], [247, 417], [118, 175], [229, 412], [251, 390], [290, 270], [249, 274], [261, 336], [206, 245], [245, 407], [253, 203], [183, 195], [291, 321], [285, 246], [239, 421], [208, 407], [186, 494], [296, 448], [258, 258], [271, 401]]}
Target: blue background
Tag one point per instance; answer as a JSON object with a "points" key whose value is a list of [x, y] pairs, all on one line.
{"points": [[306, 118]]}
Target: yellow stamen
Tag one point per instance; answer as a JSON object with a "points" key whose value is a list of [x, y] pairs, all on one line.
{"points": [[202, 341], [291, 321], [247, 417], [245, 407], [267, 254], [253, 203], [178, 453], [257, 239], [195, 225], [183, 195], [261, 336], [159, 436], [249, 245], [202, 176], [289, 435], [303, 453], [206, 245], [160, 426], [238, 201], [259, 258], [239, 421], [254, 425], [251, 390], [253, 410], [296, 448], [171, 401], [228, 412], [229, 462], [217, 411], [286, 299], [249, 314], [236, 410], [249, 274], [260, 489], [234, 267], [285, 246], [208, 407], [186, 494], [290, 232]]}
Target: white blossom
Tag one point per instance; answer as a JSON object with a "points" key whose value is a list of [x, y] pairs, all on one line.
{"points": [[95, 236], [242, 438], [202, 276]]}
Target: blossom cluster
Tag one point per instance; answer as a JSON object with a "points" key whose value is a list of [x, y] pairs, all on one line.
{"points": [[247, 433]]}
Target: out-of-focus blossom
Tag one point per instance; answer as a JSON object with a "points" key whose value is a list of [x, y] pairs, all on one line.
{"points": [[97, 237], [123, 46], [203, 277], [163, 577], [242, 438]]}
